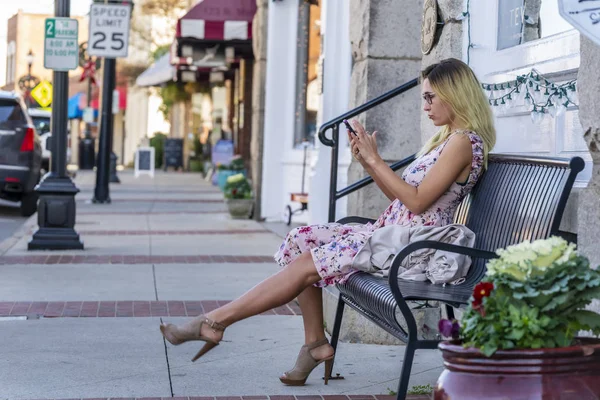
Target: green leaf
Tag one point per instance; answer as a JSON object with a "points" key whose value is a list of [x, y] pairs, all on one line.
{"points": [[588, 319]]}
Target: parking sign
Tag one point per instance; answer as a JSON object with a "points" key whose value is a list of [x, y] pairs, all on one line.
{"points": [[109, 30], [61, 49]]}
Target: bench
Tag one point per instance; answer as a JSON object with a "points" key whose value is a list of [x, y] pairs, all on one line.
{"points": [[516, 199]]}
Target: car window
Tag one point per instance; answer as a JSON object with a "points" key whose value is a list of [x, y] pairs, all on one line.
{"points": [[42, 124], [10, 114]]}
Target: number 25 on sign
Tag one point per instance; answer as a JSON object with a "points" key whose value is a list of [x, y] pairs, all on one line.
{"points": [[109, 30]]}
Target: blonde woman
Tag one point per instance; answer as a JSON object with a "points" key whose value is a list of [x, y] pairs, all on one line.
{"points": [[428, 193]]}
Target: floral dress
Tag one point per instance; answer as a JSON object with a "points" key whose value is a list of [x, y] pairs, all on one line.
{"points": [[333, 246]]}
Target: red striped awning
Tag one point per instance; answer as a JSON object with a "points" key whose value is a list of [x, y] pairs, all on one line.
{"points": [[220, 20]]}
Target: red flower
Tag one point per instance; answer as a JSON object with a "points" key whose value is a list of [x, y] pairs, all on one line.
{"points": [[482, 289], [233, 192]]}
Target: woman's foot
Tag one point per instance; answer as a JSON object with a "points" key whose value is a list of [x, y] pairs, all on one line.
{"points": [[200, 328], [310, 356]]}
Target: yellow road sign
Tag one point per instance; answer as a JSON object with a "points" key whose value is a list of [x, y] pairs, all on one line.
{"points": [[42, 93]]}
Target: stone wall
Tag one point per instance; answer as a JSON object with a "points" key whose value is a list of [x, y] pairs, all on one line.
{"points": [[385, 40], [259, 44], [588, 87]]}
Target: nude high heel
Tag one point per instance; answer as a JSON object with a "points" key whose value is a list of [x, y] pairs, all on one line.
{"points": [[305, 364], [192, 331]]}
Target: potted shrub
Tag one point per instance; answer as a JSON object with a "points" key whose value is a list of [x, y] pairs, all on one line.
{"points": [[517, 338], [238, 193]]}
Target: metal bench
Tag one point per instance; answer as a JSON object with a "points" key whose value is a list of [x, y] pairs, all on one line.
{"points": [[516, 199]]}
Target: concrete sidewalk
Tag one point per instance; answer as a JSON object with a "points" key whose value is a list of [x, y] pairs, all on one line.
{"points": [[84, 324]]}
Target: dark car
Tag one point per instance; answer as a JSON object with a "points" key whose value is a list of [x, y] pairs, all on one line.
{"points": [[20, 154]]}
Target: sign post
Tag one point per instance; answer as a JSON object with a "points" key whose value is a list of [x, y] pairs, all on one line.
{"points": [[109, 38], [56, 208], [584, 15]]}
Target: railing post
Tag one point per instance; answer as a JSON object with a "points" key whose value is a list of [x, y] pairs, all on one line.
{"points": [[334, 171]]}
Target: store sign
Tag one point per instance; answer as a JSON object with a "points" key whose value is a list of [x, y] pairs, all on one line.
{"points": [[584, 15], [61, 46], [109, 30], [511, 23]]}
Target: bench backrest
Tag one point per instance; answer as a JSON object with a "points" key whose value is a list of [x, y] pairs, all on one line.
{"points": [[517, 199]]}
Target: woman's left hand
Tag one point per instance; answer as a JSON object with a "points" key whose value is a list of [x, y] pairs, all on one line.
{"points": [[365, 144]]}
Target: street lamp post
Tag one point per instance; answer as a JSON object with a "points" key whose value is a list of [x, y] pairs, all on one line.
{"points": [[87, 155], [30, 57], [56, 208]]}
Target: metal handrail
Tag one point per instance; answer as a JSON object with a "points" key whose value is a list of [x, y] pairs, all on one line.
{"points": [[334, 194]]}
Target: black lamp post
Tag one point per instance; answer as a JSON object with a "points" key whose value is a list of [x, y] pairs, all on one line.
{"points": [[87, 155], [30, 58], [56, 208]]}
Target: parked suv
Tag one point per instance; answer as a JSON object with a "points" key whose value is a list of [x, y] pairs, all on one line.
{"points": [[41, 121], [20, 154]]}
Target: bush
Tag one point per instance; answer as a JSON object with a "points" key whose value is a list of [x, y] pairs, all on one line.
{"points": [[158, 142], [237, 187], [534, 296]]}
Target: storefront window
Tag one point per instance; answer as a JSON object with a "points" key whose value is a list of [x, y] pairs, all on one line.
{"points": [[521, 21], [307, 85]]}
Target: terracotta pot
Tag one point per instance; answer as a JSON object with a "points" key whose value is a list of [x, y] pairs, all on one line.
{"points": [[240, 208], [548, 374]]}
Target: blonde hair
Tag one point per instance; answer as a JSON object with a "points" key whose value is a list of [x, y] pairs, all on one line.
{"points": [[457, 86]]}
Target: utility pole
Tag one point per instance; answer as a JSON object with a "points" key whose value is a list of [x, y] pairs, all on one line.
{"points": [[56, 208]]}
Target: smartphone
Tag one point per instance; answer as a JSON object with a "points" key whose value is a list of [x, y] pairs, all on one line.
{"points": [[349, 127]]}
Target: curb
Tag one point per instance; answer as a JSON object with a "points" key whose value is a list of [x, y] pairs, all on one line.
{"points": [[25, 229]]}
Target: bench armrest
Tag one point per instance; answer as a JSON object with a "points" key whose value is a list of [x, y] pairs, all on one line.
{"points": [[355, 220], [431, 244]]}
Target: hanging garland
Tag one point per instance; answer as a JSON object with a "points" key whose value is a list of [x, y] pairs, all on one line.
{"points": [[535, 92]]}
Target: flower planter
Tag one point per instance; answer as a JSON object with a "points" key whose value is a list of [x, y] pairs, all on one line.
{"points": [[240, 208], [561, 373]]}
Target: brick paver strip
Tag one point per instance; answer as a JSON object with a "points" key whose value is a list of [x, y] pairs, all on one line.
{"points": [[133, 259], [265, 397], [157, 232], [83, 212], [124, 309], [158, 200]]}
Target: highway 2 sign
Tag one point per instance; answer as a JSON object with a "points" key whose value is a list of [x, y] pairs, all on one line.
{"points": [[61, 46], [109, 30]]}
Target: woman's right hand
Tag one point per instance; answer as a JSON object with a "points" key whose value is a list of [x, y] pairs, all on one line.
{"points": [[354, 149]]}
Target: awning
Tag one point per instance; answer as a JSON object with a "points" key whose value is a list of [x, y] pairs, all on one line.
{"points": [[218, 20], [160, 72]]}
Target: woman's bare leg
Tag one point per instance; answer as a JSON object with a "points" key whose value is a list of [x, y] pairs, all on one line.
{"points": [[311, 304], [274, 291]]}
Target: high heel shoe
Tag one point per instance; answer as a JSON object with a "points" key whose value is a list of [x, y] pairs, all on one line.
{"points": [[192, 331], [305, 365]]}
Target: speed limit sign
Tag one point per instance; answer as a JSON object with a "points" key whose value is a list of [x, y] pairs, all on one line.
{"points": [[109, 30]]}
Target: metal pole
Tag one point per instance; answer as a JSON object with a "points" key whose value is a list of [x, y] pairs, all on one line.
{"points": [[334, 170], [87, 151], [56, 209], [102, 192]]}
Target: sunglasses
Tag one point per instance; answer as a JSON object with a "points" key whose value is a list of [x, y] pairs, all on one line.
{"points": [[428, 97]]}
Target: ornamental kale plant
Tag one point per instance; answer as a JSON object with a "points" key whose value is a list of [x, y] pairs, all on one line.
{"points": [[237, 187], [533, 296]]}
